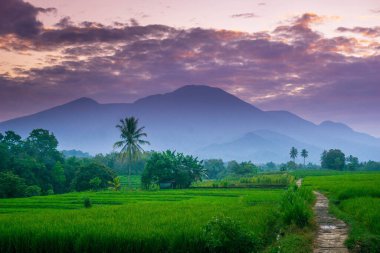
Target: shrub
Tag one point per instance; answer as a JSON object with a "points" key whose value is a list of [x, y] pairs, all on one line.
{"points": [[33, 190], [295, 207], [87, 202], [223, 234]]}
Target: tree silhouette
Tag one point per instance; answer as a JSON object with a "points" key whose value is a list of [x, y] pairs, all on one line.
{"points": [[304, 154], [293, 153]]}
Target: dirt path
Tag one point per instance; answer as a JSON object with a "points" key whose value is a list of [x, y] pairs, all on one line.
{"points": [[331, 232]]}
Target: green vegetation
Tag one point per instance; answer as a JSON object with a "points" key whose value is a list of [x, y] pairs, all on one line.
{"points": [[171, 170], [334, 159], [322, 172], [266, 180], [297, 229], [354, 198], [136, 221]]}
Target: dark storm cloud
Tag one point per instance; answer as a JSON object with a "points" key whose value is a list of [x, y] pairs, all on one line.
{"points": [[20, 18]]}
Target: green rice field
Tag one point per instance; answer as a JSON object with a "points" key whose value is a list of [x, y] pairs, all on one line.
{"points": [[133, 221]]}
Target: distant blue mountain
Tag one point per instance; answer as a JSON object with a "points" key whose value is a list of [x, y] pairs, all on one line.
{"points": [[200, 120]]}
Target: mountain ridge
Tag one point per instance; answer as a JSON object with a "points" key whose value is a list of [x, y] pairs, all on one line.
{"points": [[188, 120]]}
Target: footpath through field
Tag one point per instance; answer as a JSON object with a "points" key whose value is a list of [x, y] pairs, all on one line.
{"points": [[332, 232]]}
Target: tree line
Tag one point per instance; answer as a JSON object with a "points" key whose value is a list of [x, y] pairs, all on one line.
{"points": [[33, 166]]}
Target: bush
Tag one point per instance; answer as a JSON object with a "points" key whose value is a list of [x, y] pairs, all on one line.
{"points": [[87, 202], [223, 234], [33, 190], [295, 206]]}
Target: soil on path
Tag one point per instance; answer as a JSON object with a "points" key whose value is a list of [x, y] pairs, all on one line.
{"points": [[332, 232]]}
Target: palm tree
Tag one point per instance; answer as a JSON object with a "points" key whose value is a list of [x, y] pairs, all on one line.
{"points": [[304, 154], [293, 153], [131, 141], [115, 184]]}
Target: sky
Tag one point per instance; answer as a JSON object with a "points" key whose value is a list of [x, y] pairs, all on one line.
{"points": [[318, 59]]}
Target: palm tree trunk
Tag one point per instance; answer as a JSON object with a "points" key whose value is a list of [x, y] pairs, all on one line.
{"points": [[129, 173]]}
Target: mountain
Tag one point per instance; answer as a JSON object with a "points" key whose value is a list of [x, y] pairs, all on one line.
{"points": [[260, 146], [200, 120]]}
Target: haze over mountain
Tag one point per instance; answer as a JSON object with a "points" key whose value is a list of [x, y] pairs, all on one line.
{"points": [[200, 120]]}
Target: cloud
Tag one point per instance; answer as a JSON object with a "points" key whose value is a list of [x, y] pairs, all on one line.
{"points": [[375, 11], [365, 31], [20, 18], [244, 15], [293, 67]]}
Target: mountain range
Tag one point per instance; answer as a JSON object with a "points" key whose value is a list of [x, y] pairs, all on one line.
{"points": [[200, 120]]}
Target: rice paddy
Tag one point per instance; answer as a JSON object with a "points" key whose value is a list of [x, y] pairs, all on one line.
{"points": [[133, 221]]}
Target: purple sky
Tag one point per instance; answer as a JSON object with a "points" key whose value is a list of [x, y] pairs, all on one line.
{"points": [[320, 59]]}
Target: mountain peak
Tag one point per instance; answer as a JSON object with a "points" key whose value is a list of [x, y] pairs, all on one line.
{"points": [[197, 96], [334, 125], [83, 100], [197, 88]]}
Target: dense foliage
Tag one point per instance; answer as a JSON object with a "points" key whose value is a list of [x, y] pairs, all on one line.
{"points": [[175, 170], [334, 159], [33, 166]]}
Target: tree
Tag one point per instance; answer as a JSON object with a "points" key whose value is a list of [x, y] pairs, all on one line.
{"points": [[12, 141], [84, 179], [95, 183], [42, 145], [131, 141], [59, 178], [172, 168], [293, 153], [333, 159], [245, 168], [11, 185], [213, 167], [352, 163], [232, 166], [304, 154], [115, 184]]}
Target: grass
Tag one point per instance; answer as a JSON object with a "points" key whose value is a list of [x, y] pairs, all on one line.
{"points": [[355, 198], [322, 172], [134, 221], [259, 181], [135, 182]]}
